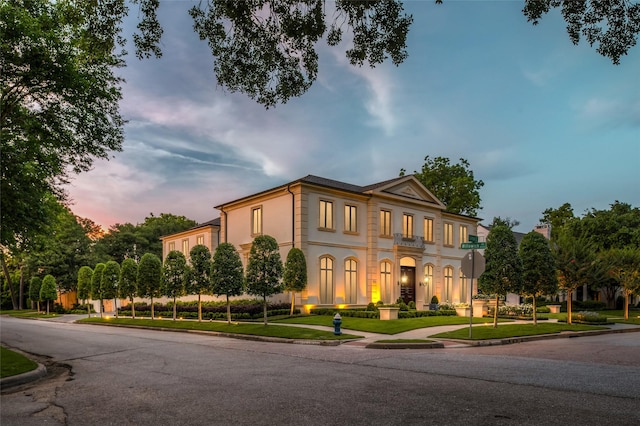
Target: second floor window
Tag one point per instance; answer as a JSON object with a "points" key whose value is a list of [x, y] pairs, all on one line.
{"points": [[350, 218], [428, 229], [256, 221], [407, 225], [172, 246], [200, 240], [185, 247], [385, 223], [464, 234], [326, 214], [448, 234]]}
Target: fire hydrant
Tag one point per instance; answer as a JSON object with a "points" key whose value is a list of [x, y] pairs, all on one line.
{"points": [[337, 321]]}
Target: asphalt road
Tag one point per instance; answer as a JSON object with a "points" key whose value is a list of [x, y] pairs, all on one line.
{"points": [[104, 375]]}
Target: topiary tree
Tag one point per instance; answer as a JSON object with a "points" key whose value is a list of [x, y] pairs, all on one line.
{"points": [[199, 279], [85, 274], [503, 272], [128, 284], [34, 291], [109, 283], [264, 270], [295, 274], [48, 291], [96, 280], [226, 274], [538, 268], [624, 266], [174, 273], [149, 278]]}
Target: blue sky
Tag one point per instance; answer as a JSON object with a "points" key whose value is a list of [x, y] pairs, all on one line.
{"points": [[541, 121]]}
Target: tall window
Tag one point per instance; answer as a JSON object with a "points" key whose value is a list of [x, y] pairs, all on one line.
{"points": [[185, 247], [448, 234], [428, 283], [407, 225], [200, 240], [448, 284], [256, 221], [172, 246], [385, 282], [350, 218], [351, 281], [464, 234], [326, 280], [326, 214], [464, 288], [428, 229], [385, 223]]}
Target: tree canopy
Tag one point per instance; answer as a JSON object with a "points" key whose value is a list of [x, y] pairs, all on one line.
{"points": [[538, 268], [226, 274], [174, 275], [48, 291], [150, 278], [295, 274], [199, 279], [264, 269]]}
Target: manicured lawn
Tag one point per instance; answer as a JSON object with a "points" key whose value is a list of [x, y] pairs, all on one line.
{"points": [[255, 329], [12, 363], [514, 330], [28, 313], [612, 315], [384, 327]]}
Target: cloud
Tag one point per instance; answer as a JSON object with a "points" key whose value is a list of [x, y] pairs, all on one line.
{"points": [[609, 112]]}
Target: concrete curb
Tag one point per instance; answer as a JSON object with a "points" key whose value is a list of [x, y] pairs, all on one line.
{"points": [[405, 345], [21, 379]]}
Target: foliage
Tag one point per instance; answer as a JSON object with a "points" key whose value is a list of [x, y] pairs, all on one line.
{"points": [[434, 300], [128, 284], [109, 280], [624, 266], [85, 274], [538, 268], [557, 218], [295, 274], [264, 269], [96, 281], [226, 273], [48, 290], [453, 184], [525, 310], [199, 279], [174, 276], [589, 317], [513, 330], [149, 277], [34, 289]]}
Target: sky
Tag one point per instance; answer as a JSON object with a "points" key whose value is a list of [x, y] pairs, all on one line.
{"points": [[541, 121]]}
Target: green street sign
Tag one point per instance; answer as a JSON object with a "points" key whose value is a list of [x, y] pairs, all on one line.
{"points": [[473, 238], [473, 246]]}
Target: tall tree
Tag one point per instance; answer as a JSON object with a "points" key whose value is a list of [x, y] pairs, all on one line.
{"points": [[503, 272], [109, 283], [85, 274], [96, 285], [174, 274], [295, 274], [453, 184], [48, 290], [150, 278], [199, 280], [226, 274], [624, 266], [34, 291], [128, 284], [557, 218], [264, 270], [538, 268]]}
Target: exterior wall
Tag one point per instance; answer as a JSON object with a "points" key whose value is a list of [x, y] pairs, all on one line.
{"points": [[209, 233]]}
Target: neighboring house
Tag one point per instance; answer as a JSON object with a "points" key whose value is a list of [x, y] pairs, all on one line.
{"points": [[362, 243], [206, 234]]}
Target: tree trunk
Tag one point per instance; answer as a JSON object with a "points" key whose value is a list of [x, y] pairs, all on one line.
{"points": [[569, 294], [264, 309], [535, 316], [495, 312], [88, 308], [38, 306], [47, 307], [228, 311], [626, 305], [7, 276], [152, 308], [115, 306], [199, 309], [100, 308], [174, 308], [293, 302], [21, 292], [133, 309]]}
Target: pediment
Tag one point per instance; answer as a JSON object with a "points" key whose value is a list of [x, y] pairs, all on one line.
{"points": [[409, 188]]}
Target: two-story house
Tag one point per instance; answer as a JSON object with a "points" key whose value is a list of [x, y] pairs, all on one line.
{"points": [[362, 243]]}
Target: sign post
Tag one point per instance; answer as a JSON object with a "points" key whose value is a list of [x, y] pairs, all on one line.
{"points": [[472, 265]]}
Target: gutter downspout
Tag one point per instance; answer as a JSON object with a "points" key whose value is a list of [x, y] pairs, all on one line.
{"points": [[225, 226], [293, 216]]}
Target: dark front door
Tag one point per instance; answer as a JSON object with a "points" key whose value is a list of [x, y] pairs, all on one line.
{"points": [[408, 284]]}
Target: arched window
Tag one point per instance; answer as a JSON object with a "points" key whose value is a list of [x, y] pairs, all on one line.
{"points": [[428, 283], [351, 281], [464, 288], [326, 280], [385, 282], [448, 284]]}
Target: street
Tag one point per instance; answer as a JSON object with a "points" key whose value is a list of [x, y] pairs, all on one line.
{"points": [[108, 375]]}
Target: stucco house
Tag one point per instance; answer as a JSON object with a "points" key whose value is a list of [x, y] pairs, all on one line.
{"points": [[362, 243]]}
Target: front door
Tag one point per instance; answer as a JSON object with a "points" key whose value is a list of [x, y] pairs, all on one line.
{"points": [[408, 284]]}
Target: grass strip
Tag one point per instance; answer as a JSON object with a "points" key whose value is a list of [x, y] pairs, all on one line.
{"points": [[28, 313], [12, 363], [405, 341], [254, 329], [514, 330]]}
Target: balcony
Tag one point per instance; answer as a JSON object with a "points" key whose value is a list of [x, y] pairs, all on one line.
{"points": [[415, 241]]}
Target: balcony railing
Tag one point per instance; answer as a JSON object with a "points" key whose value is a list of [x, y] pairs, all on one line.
{"points": [[413, 241]]}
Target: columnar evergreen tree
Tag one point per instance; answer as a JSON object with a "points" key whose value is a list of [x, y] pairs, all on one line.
{"points": [[538, 268], [226, 274], [150, 278], [624, 266], [128, 284], [109, 283], [85, 274], [199, 280], [503, 273], [96, 282], [48, 291], [264, 270], [34, 291], [295, 274], [174, 274]]}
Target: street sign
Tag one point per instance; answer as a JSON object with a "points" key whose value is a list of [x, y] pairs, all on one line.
{"points": [[473, 246], [473, 238], [472, 264]]}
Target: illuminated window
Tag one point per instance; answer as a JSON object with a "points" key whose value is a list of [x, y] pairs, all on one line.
{"points": [[326, 214], [428, 229], [464, 234], [407, 225], [385, 223], [185, 247], [428, 282], [172, 246], [351, 281], [385, 282], [448, 284], [200, 240], [464, 288], [350, 218], [326, 280], [448, 234], [256, 221]]}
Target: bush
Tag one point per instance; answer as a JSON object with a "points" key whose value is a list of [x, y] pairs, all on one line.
{"points": [[434, 300], [543, 310], [371, 307], [412, 305], [589, 317], [403, 306]]}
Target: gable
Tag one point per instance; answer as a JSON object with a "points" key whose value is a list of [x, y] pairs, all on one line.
{"points": [[408, 188]]}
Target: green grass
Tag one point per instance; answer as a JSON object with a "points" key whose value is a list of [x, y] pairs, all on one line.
{"points": [[514, 330], [28, 313], [254, 329], [384, 327], [12, 363], [405, 341]]}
